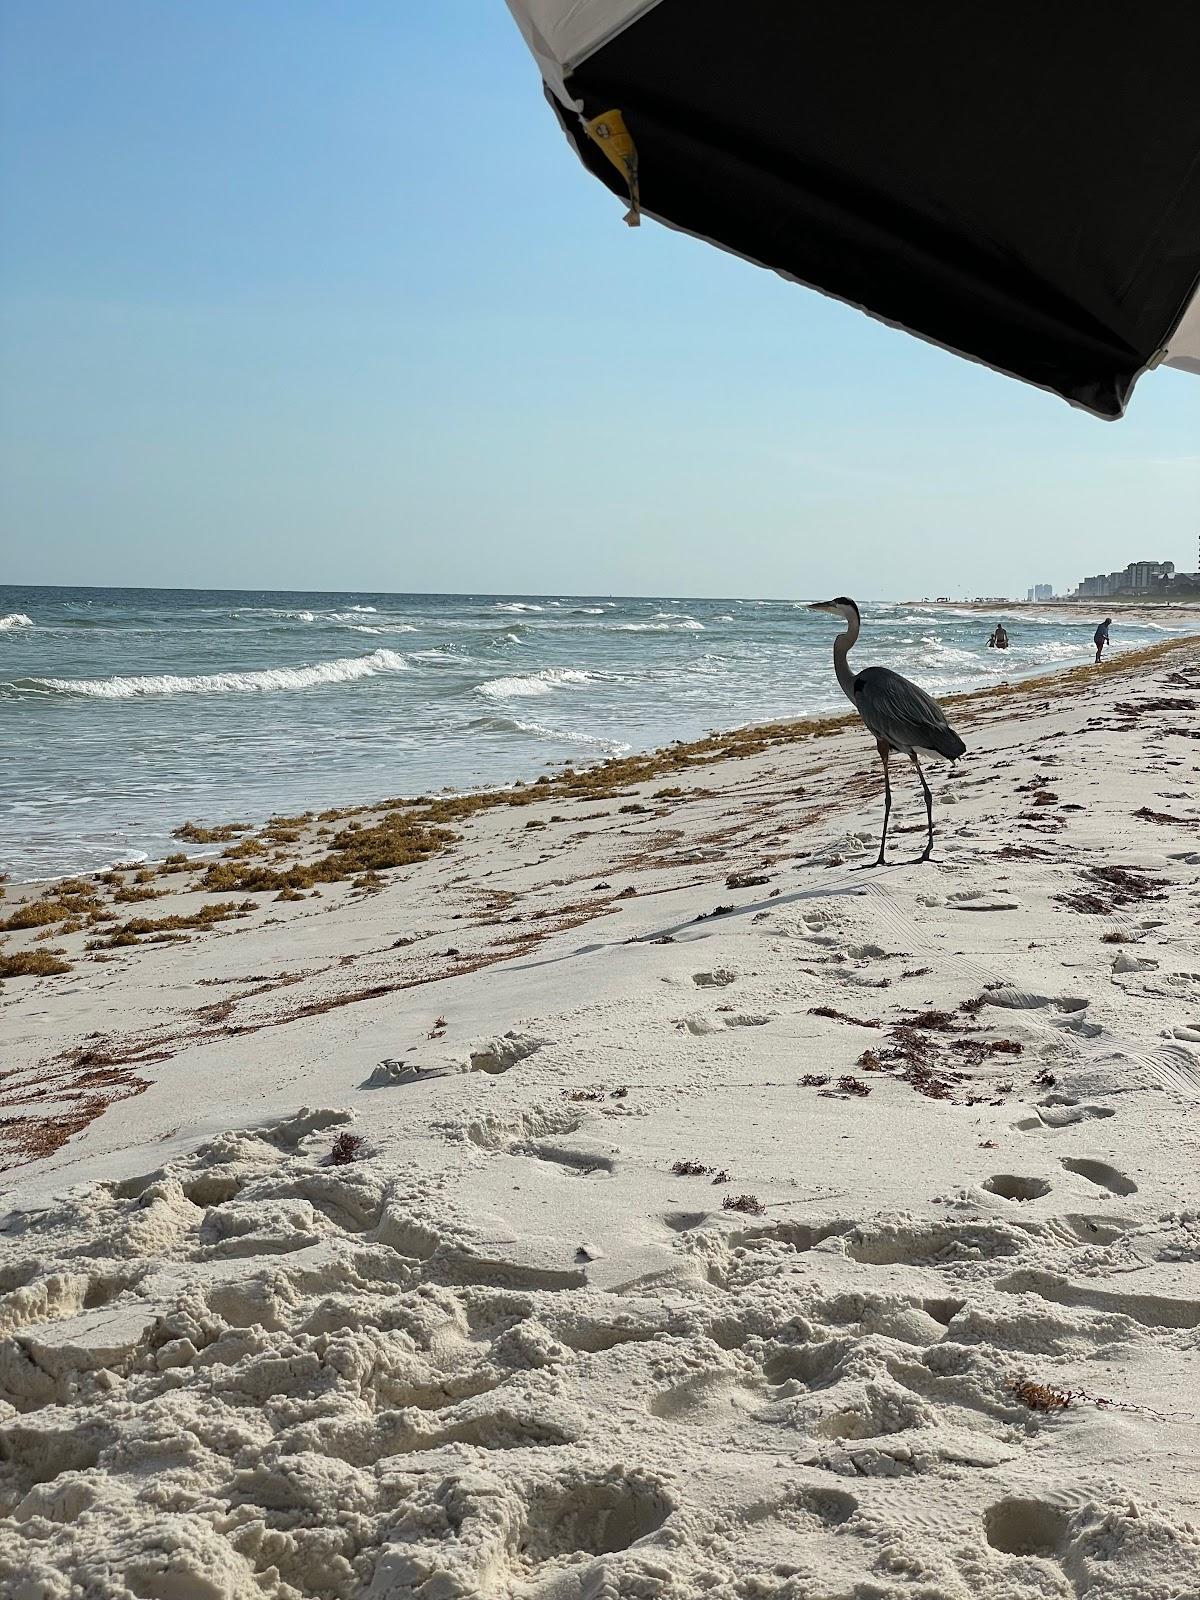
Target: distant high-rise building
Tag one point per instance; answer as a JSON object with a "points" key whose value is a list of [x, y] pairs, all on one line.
{"points": [[1139, 577], [1095, 587], [1142, 576]]}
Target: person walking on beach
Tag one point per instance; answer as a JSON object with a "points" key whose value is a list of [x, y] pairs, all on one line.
{"points": [[1100, 638]]}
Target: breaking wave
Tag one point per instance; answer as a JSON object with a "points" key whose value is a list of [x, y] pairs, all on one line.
{"points": [[539, 730], [260, 682], [684, 625], [534, 683], [498, 722], [15, 619]]}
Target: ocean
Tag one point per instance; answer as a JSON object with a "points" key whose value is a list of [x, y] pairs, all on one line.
{"points": [[124, 712]]}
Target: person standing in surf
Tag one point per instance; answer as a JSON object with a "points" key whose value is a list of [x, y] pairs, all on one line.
{"points": [[1100, 638]]}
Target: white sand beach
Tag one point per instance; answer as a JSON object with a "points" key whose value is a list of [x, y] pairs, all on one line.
{"points": [[724, 1220]]}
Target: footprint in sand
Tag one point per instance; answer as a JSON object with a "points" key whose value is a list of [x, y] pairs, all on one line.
{"points": [[1101, 1174], [932, 1244], [582, 1514], [983, 902], [1014, 999], [575, 1160], [1011, 1187], [685, 1221], [790, 1235], [1025, 1528], [816, 1364], [1096, 1230], [804, 1511], [1060, 1111], [704, 1398], [1151, 1310]]}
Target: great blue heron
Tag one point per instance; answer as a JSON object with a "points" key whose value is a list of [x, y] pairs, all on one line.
{"points": [[901, 716]]}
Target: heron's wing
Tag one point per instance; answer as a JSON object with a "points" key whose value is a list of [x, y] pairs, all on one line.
{"points": [[900, 711]]}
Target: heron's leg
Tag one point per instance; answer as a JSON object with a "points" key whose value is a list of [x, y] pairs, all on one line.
{"points": [[884, 752], [928, 804]]}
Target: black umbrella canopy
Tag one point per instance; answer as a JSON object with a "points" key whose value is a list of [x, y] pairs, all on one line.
{"points": [[1017, 182]]}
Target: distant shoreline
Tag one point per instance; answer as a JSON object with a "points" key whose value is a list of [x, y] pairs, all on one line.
{"points": [[604, 778], [124, 717], [1153, 610]]}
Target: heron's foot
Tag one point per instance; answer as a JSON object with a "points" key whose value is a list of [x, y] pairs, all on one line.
{"points": [[869, 866], [928, 856]]}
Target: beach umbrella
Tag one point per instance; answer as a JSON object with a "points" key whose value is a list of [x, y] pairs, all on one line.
{"points": [[1017, 182]]}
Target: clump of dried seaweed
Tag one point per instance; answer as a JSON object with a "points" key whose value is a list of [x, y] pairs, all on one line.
{"points": [[1106, 888], [930, 1050], [1047, 1398], [697, 1169], [841, 1016], [346, 1148], [1039, 1396], [849, 1084]]}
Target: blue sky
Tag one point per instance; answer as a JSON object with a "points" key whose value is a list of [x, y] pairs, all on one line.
{"points": [[303, 295]]}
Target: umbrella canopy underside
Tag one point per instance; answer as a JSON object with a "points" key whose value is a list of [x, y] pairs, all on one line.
{"points": [[1017, 183]]}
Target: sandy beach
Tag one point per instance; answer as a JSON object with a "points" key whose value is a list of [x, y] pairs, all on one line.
{"points": [[627, 1195]]}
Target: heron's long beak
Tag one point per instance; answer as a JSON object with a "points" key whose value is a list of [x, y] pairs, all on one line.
{"points": [[822, 605]]}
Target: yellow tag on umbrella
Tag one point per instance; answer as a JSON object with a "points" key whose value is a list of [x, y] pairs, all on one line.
{"points": [[608, 130]]}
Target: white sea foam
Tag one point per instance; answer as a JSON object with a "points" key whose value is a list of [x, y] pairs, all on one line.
{"points": [[516, 605], [352, 617], [15, 619], [539, 730], [686, 625], [259, 682], [534, 683]]}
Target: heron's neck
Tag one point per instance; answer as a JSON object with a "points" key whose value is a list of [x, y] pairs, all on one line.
{"points": [[841, 649]]}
